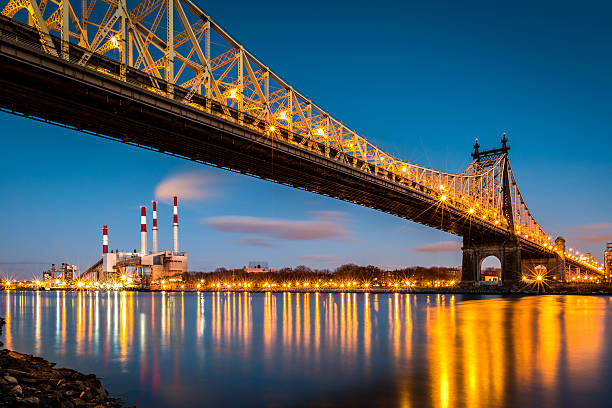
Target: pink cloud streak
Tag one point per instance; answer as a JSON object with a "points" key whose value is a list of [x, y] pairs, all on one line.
{"points": [[191, 185], [439, 247], [284, 229]]}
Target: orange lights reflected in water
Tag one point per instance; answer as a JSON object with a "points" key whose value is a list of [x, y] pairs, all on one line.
{"points": [[392, 349]]}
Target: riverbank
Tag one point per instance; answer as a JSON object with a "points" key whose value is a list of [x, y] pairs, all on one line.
{"points": [[467, 289], [29, 381], [519, 289]]}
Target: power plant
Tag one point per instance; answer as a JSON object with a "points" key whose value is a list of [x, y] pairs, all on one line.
{"points": [[139, 269]]}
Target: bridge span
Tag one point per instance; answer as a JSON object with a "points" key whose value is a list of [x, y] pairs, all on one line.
{"points": [[125, 74]]}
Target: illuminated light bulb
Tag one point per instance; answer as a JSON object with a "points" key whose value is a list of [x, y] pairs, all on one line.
{"points": [[272, 128], [233, 94], [320, 132], [114, 42], [496, 222], [441, 187], [283, 115], [484, 217], [404, 169], [443, 198], [471, 211]]}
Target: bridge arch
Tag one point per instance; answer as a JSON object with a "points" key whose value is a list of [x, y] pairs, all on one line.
{"points": [[489, 269], [476, 252]]}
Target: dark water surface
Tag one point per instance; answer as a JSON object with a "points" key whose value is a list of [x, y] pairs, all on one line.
{"points": [[288, 349]]}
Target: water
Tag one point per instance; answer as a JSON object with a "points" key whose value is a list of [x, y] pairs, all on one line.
{"points": [[281, 350]]}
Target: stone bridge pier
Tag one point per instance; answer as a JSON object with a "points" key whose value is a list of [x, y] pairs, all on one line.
{"points": [[474, 252], [550, 267], [514, 264]]}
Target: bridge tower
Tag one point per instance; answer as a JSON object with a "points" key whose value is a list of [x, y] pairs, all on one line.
{"points": [[504, 246]]}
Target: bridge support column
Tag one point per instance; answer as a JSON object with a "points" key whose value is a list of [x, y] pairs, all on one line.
{"points": [[555, 267], [508, 253]]}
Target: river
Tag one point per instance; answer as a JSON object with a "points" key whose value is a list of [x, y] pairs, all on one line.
{"points": [[218, 349]]}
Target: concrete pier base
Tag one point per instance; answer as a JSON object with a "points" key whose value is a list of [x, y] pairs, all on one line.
{"points": [[508, 252]]}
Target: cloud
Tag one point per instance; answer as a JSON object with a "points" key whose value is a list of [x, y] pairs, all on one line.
{"points": [[595, 238], [592, 227], [191, 185], [438, 247], [593, 233], [257, 241], [322, 258], [315, 229]]}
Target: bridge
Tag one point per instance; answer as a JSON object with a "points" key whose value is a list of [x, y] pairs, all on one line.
{"points": [[164, 76]]}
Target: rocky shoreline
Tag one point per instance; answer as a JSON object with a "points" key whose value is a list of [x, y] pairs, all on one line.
{"points": [[29, 381]]}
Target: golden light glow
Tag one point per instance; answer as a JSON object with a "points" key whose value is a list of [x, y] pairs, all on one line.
{"points": [[442, 198]]}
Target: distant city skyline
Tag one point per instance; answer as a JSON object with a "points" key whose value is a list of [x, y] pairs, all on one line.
{"points": [[422, 84]]}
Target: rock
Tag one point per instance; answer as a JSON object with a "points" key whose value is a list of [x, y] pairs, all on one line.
{"points": [[16, 390], [10, 380], [34, 401], [16, 355]]}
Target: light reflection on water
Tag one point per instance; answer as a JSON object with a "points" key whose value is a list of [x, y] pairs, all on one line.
{"points": [[321, 349]]}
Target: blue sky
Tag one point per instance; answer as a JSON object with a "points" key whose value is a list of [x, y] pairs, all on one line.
{"points": [[420, 79]]}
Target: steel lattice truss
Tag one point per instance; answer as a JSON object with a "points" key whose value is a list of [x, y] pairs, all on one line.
{"points": [[186, 54]]}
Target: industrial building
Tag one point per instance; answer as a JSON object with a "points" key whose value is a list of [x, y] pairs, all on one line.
{"points": [[139, 269], [66, 273]]}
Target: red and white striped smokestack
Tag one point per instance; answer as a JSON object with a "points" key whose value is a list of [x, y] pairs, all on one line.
{"points": [[104, 239], [143, 230], [175, 247], [154, 226]]}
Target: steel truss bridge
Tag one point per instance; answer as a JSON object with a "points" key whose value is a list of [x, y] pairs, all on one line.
{"points": [[163, 75]]}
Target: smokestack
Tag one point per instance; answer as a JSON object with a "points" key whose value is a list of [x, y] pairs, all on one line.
{"points": [[155, 226], [104, 239], [143, 230], [175, 247]]}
